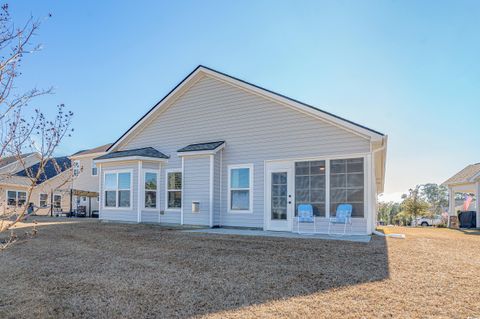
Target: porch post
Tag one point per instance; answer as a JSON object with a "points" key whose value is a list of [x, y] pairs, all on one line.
{"points": [[71, 200], [452, 214], [368, 204], [451, 201]]}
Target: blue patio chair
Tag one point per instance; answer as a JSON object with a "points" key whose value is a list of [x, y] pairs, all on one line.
{"points": [[343, 217], [305, 215]]}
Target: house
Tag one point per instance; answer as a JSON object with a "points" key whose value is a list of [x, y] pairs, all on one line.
{"points": [[466, 181], [52, 186], [219, 151], [85, 179]]}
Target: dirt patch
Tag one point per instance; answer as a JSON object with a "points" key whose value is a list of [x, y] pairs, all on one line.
{"points": [[101, 270]]}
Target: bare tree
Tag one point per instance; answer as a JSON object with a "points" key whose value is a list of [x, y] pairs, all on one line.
{"points": [[23, 129]]}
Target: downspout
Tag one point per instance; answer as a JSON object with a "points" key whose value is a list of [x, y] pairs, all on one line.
{"points": [[372, 166], [221, 190], [211, 191], [139, 186]]}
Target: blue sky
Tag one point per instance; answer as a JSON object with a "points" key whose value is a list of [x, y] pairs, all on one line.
{"points": [[407, 68]]}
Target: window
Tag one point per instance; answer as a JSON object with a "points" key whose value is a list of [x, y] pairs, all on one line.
{"points": [[94, 169], [43, 200], [16, 198], [150, 188], [347, 185], [240, 188], [174, 190], [310, 186], [57, 201], [76, 168], [118, 189]]}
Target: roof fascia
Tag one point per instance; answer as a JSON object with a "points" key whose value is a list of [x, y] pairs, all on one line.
{"points": [[196, 153], [130, 158]]}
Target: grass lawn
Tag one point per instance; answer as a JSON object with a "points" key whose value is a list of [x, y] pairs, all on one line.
{"points": [[91, 269]]}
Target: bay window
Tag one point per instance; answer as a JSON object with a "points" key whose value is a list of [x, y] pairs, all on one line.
{"points": [[150, 190], [174, 189], [118, 189], [240, 180]]}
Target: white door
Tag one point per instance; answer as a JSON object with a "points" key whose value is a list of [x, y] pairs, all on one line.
{"points": [[280, 198]]}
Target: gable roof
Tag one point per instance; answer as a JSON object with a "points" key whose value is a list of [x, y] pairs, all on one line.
{"points": [[52, 168], [209, 146], [12, 159], [466, 175], [139, 152], [98, 149], [202, 70]]}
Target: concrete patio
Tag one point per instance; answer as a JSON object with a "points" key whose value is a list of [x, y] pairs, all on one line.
{"points": [[261, 233]]}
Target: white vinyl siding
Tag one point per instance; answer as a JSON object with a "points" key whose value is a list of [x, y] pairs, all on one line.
{"points": [[255, 129], [196, 189]]}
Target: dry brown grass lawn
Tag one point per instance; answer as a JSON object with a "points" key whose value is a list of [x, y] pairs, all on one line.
{"points": [[99, 270]]}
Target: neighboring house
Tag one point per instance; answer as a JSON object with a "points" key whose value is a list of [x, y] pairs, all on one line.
{"points": [[85, 179], [465, 181], [218, 151], [53, 185], [12, 164]]}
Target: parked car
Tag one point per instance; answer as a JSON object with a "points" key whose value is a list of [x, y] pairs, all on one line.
{"points": [[427, 221]]}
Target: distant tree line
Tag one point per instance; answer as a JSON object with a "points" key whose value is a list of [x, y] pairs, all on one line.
{"points": [[426, 200]]}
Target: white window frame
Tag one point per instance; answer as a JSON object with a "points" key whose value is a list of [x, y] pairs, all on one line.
{"points": [[16, 197], [76, 168], [94, 166], [40, 200], [250, 189], [366, 179], [168, 171], [61, 198], [104, 189], [157, 191]]}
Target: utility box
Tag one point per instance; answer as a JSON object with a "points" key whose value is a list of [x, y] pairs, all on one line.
{"points": [[195, 207]]}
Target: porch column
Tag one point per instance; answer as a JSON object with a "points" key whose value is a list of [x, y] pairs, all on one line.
{"points": [[477, 208], [451, 201], [452, 214]]}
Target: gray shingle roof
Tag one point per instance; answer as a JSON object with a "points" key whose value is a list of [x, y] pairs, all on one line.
{"points": [[10, 159], [52, 168], [144, 152], [209, 146], [98, 149], [465, 175]]}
